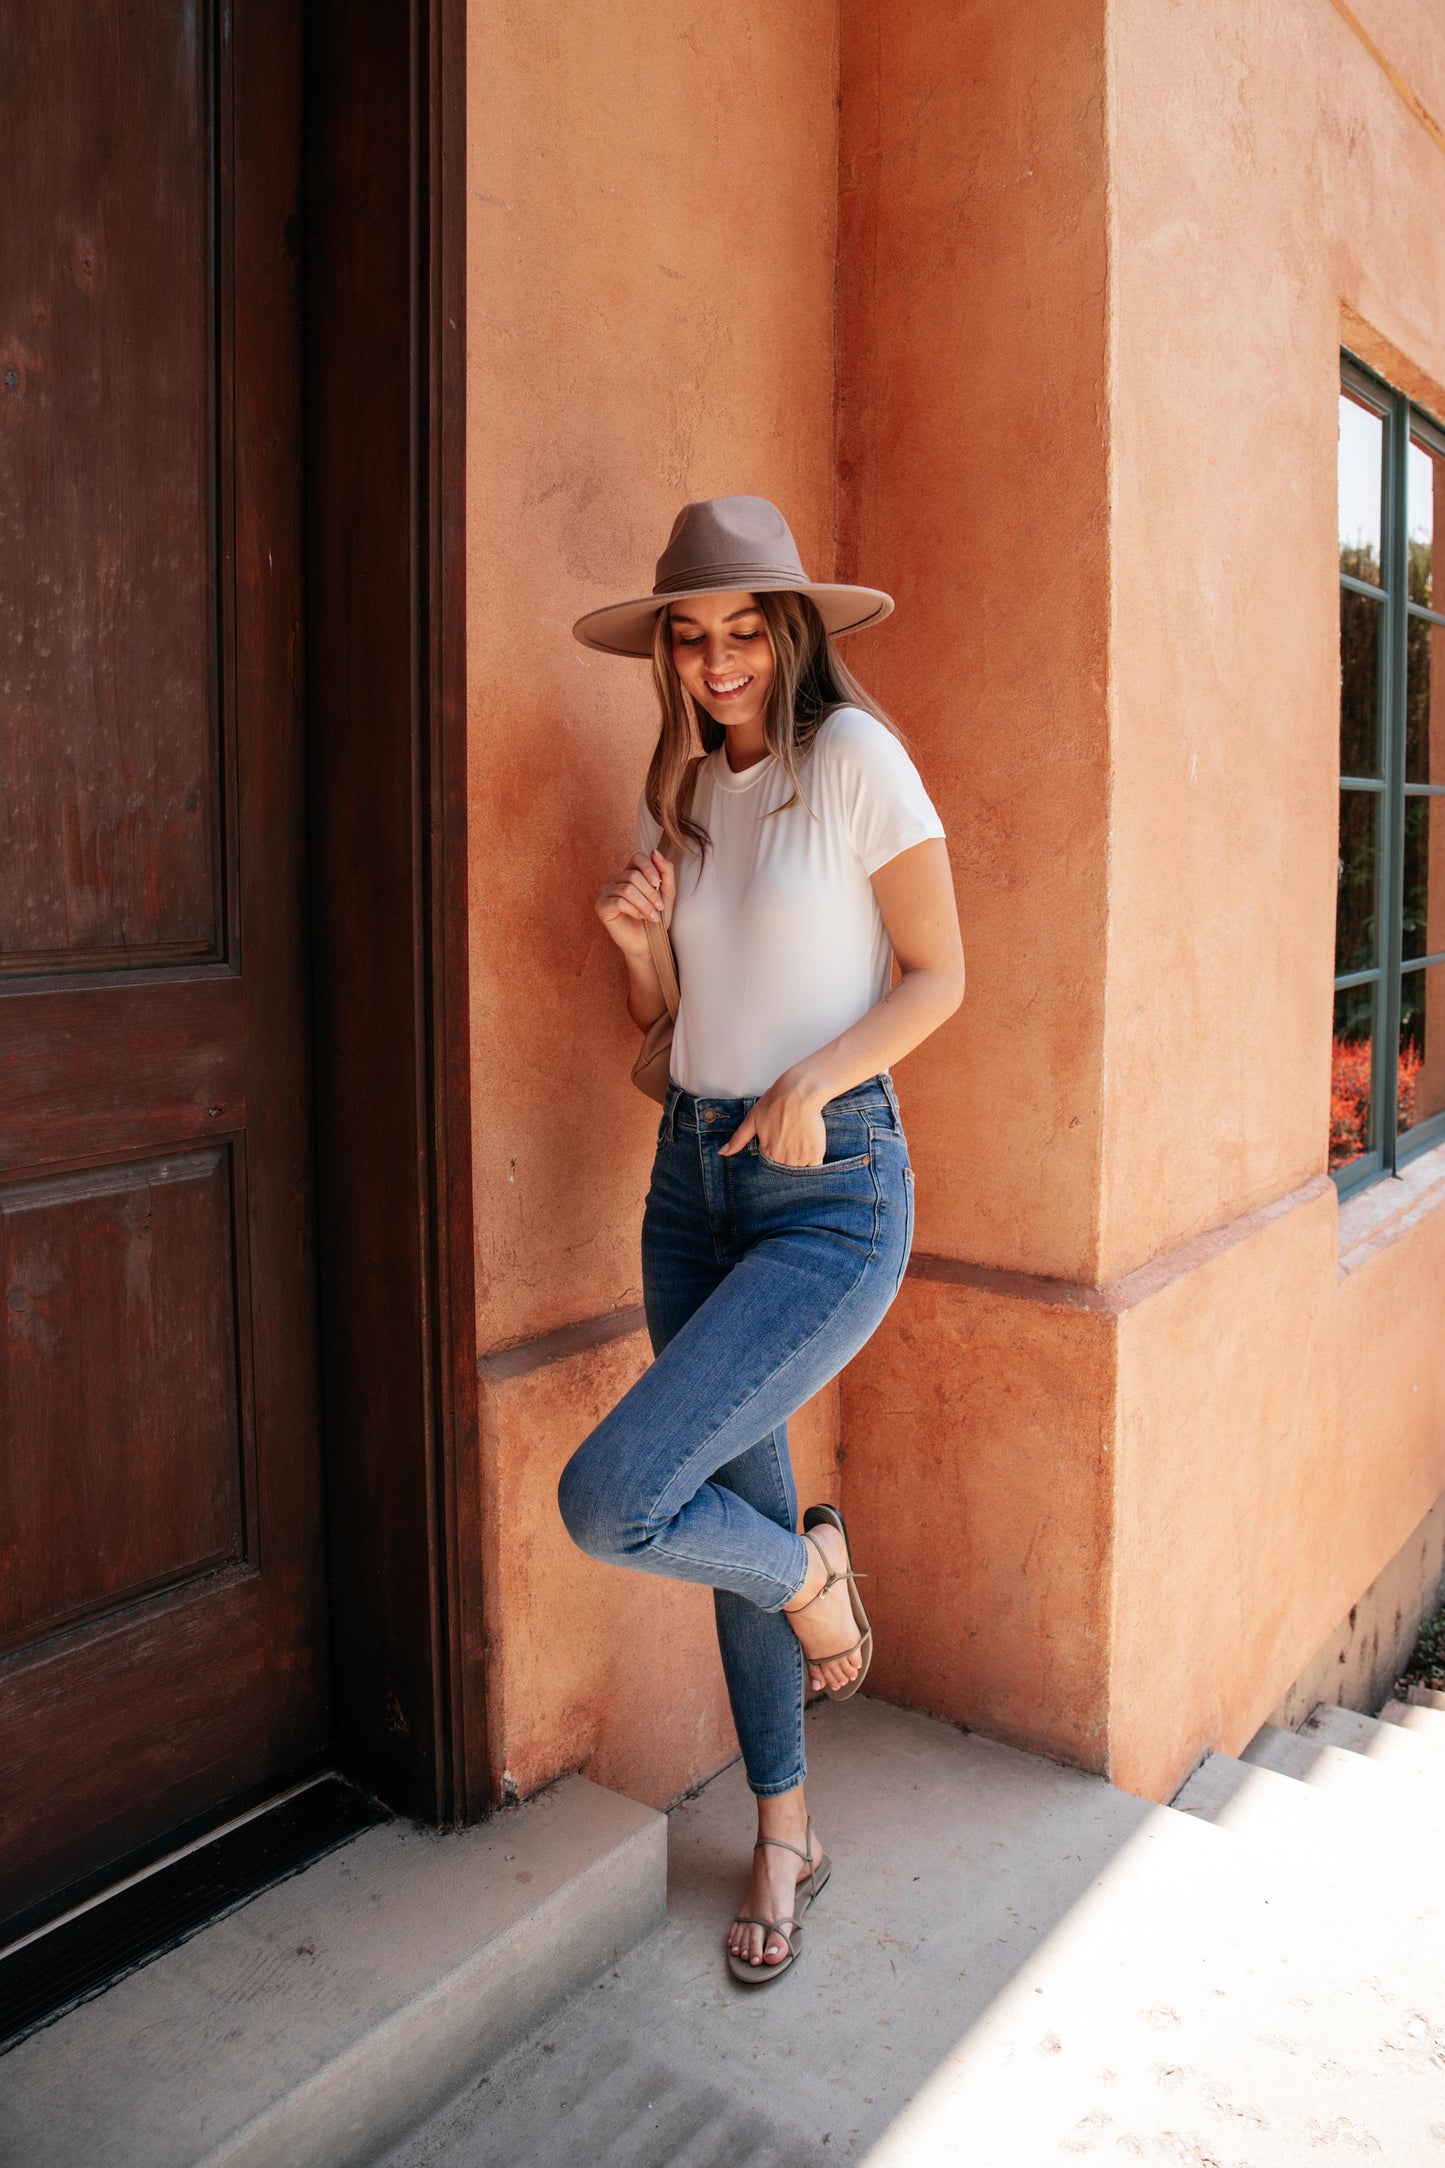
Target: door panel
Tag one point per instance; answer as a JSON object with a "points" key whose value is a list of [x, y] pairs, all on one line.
{"points": [[109, 829], [121, 1403], [162, 1598]]}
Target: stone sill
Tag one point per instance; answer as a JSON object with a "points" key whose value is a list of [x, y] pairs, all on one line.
{"points": [[1378, 1215]]}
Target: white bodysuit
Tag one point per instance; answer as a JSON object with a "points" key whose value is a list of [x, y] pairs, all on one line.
{"points": [[780, 942]]}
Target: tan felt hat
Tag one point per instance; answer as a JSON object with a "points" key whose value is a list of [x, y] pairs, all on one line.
{"points": [[719, 545]]}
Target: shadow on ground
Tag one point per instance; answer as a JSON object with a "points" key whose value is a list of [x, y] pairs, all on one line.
{"points": [[1013, 1963]]}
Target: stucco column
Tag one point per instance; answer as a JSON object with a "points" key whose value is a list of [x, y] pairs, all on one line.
{"points": [[973, 453]]}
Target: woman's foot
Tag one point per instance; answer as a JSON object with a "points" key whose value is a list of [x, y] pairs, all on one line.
{"points": [[772, 1891], [827, 1625]]}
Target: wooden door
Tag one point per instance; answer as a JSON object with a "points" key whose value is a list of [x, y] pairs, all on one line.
{"points": [[162, 1595]]}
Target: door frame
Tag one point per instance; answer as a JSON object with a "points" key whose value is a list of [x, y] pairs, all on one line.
{"points": [[386, 699]]}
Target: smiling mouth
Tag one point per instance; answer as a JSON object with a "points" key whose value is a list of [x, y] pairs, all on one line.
{"points": [[727, 688]]}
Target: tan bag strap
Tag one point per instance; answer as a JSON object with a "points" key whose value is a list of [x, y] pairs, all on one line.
{"points": [[659, 946], [665, 965]]}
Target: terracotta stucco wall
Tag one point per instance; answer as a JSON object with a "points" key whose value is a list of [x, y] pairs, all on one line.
{"points": [[1283, 1427], [651, 251], [1033, 316]]}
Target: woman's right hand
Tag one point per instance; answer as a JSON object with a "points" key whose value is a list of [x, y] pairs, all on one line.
{"points": [[646, 888]]}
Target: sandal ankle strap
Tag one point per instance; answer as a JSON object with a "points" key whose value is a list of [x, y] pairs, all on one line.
{"points": [[783, 1846], [791, 1610], [806, 1857]]}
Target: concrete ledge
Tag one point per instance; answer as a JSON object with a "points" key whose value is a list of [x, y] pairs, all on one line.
{"points": [[317, 2025], [1379, 1214]]}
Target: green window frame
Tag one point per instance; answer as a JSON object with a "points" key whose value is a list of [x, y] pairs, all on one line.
{"points": [[1388, 1041]]}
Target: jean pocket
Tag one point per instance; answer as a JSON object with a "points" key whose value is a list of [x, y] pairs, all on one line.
{"points": [[825, 1166]]}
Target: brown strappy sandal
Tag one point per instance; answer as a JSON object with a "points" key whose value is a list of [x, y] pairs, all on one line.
{"points": [[816, 1878], [863, 1646]]}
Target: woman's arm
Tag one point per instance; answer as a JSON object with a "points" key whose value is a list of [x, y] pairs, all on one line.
{"points": [[915, 896], [644, 889]]}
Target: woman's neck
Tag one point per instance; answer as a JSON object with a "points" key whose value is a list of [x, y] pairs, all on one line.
{"points": [[744, 752]]}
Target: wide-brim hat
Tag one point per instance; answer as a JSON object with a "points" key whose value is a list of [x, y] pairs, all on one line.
{"points": [[718, 546]]}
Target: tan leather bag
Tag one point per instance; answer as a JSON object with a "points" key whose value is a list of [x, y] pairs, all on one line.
{"points": [[650, 1071]]}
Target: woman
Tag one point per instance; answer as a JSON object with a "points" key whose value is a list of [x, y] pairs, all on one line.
{"points": [[791, 862]]}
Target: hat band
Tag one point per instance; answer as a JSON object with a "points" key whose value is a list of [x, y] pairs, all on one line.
{"points": [[701, 578]]}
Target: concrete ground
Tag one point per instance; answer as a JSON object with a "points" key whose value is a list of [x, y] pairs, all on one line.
{"points": [[1014, 1964]]}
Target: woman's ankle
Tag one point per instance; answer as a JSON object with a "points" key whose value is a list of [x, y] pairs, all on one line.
{"points": [[783, 1814], [813, 1582]]}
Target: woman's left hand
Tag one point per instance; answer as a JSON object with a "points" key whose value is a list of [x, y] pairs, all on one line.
{"points": [[787, 1122]]}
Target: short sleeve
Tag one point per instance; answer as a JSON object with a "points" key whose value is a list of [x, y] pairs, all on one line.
{"points": [[648, 833], [880, 794]]}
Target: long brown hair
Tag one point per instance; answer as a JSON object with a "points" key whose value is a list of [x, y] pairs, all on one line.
{"points": [[810, 680]]}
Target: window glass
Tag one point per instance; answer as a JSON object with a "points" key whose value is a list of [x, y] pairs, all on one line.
{"points": [[1359, 873], [1423, 918], [1352, 1112], [1422, 1045], [1361, 488], [1360, 621], [1426, 519], [1424, 699], [1388, 1052]]}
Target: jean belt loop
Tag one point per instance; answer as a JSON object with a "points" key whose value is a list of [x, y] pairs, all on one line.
{"points": [[887, 1082], [669, 1109]]}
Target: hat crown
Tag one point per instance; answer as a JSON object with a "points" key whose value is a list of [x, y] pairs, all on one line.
{"points": [[728, 541]]}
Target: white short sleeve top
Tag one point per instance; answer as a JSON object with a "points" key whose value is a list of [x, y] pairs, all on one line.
{"points": [[779, 939]]}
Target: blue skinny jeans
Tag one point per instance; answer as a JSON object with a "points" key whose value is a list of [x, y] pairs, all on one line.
{"points": [[760, 1281]]}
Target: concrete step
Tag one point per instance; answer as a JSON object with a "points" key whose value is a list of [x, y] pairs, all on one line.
{"points": [[1390, 1791], [1416, 1697], [1425, 1722], [1362, 1734], [314, 2026], [1014, 1963], [1319, 1832]]}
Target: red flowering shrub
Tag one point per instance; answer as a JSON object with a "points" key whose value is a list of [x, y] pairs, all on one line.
{"points": [[1350, 1096]]}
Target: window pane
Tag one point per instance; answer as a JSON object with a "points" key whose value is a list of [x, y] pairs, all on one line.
{"points": [[1360, 620], [1424, 700], [1352, 1112], [1424, 923], [1362, 445], [1422, 1045], [1358, 880], [1426, 514]]}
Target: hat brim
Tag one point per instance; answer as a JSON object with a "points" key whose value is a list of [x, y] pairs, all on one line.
{"points": [[626, 628]]}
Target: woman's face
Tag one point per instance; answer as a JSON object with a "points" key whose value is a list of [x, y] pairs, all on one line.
{"points": [[723, 656]]}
